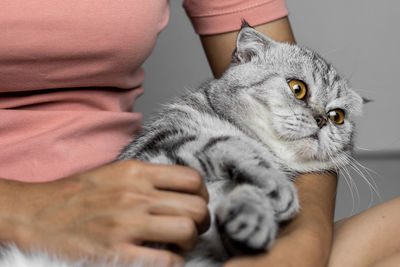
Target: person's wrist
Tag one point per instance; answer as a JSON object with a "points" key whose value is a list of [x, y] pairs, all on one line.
{"points": [[316, 245]]}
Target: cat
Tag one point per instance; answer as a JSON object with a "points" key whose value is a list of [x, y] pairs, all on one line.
{"points": [[279, 110]]}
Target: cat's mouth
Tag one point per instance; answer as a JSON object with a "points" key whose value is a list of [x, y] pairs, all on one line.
{"points": [[313, 136]]}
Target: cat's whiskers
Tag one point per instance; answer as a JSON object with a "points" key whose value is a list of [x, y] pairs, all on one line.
{"points": [[366, 149], [359, 168], [345, 163], [355, 195], [367, 170], [374, 91], [349, 161], [370, 186], [337, 168], [340, 164]]}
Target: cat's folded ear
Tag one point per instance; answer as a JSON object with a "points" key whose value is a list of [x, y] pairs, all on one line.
{"points": [[358, 102], [366, 100], [250, 44]]}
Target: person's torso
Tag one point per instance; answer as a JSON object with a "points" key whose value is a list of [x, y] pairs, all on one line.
{"points": [[69, 74], [50, 44]]}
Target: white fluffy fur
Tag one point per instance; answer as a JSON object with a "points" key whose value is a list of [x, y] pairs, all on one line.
{"points": [[13, 257]]}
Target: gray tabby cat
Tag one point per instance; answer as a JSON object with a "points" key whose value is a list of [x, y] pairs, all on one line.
{"points": [[279, 110]]}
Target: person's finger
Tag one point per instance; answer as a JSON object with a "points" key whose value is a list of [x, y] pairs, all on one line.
{"points": [[180, 231], [179, 204], [178, 178], [144, 256]]}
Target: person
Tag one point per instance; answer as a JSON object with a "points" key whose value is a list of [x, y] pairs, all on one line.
{"points": [[69, 73]]}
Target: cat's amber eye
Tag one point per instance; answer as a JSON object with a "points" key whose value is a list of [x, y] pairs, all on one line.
{"points": [[298, 88], [336, 115]]}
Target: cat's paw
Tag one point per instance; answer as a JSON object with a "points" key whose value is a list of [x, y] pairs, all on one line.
{"points": [[246, 221], [284, 199], [277, 187]]}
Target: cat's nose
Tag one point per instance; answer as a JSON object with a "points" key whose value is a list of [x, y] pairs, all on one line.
{"points": [[321, 121]]}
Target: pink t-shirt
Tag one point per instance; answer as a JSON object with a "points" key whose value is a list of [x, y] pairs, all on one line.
{"points": [[70, 73]]}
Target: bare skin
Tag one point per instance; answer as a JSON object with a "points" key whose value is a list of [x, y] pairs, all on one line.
{"points": [[390, 261], [107, 211], [369, 238]]}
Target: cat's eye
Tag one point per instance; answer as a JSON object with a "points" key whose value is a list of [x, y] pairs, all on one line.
{"points": [[336, 115], [298, 88]]}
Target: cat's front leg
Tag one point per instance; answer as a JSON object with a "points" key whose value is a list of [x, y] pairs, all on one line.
{"points": [[245, 220], [248, 217], [257, 196]]}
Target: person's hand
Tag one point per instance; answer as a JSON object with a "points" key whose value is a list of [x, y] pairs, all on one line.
{"points": [[295, 249], [111, 210]]}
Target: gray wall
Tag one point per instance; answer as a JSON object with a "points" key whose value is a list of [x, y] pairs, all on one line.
{"points": [[359, 37]]}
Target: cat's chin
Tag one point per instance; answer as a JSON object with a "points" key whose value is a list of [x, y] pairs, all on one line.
{"points": [[309, 156], [306, 155], [306, 148]]}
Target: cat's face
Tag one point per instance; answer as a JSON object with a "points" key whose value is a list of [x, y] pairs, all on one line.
{"points": [[304, 109]]}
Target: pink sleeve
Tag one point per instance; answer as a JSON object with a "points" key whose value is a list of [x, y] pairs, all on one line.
{"points": [[212, 17]]}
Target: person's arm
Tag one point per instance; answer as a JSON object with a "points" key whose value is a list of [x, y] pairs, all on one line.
{"points": [[307, 238]]}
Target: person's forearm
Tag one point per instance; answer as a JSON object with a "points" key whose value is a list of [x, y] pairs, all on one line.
{"points": [[317, 193]]}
